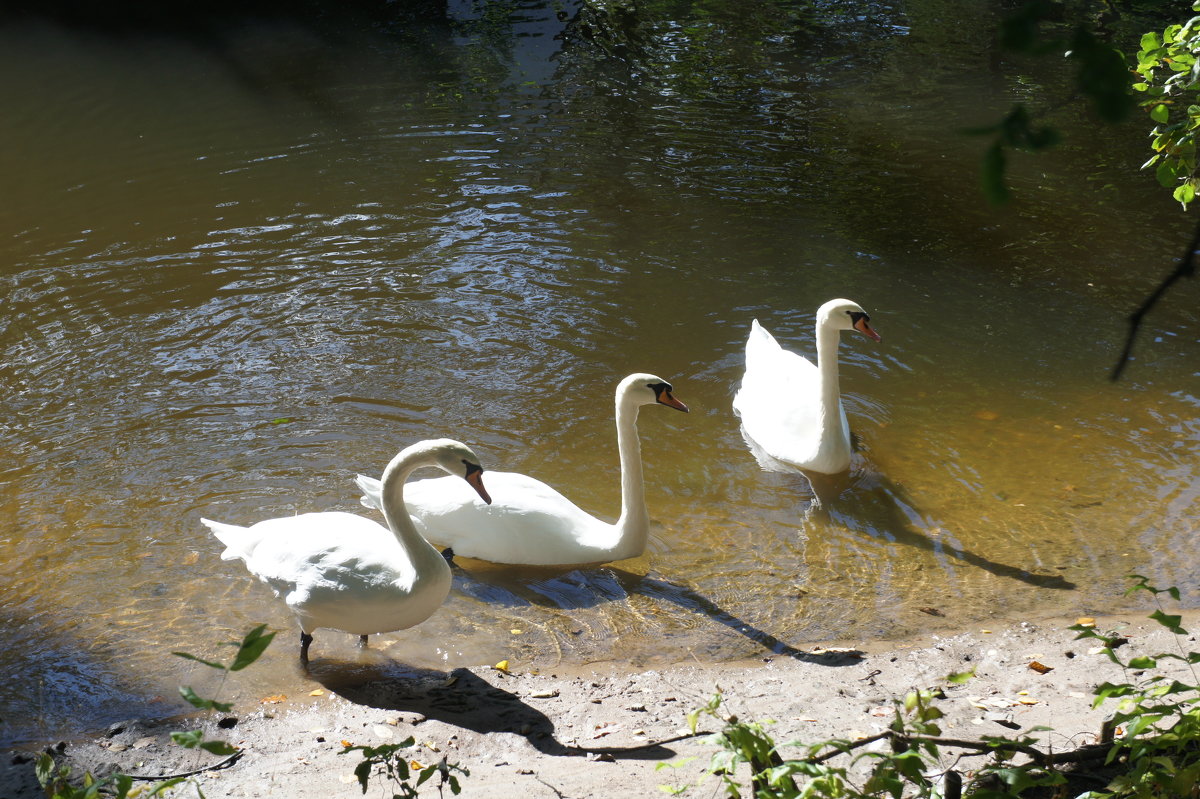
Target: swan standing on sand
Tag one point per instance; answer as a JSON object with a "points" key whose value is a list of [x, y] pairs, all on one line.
{"points": [[348, 573], [793, 409], [532, 524]]}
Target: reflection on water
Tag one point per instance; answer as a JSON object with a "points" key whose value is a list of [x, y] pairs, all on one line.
{"points": [[234, 276]]}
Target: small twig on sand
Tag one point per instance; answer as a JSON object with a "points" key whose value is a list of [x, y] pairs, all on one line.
{"points": [[218, 765]]}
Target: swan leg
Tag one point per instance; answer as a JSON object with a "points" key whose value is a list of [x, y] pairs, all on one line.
{"points": [[305, 640], [362, 642], [448, 554]]}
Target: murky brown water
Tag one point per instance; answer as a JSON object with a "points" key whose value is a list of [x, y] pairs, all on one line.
{"points": [[237, 270]]}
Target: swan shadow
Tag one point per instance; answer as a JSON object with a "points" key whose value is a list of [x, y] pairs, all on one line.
{"points": [[462, 699], [516, 586], [878, 497], [866, 493]]}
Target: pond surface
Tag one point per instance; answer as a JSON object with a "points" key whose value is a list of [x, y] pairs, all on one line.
{"points": [[239, 267]]}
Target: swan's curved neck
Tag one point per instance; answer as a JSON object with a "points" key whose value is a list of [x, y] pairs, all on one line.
{"points": [[634, 525], [827, 362], [392, 499]]}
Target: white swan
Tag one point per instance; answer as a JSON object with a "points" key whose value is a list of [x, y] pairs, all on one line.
{"points": [[531, 523], [793, 409], [345, 572]]}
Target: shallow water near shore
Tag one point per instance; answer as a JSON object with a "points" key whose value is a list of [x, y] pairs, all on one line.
{"points": [[239, 270]]}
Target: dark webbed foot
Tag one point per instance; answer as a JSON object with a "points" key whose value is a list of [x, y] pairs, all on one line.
{"points": [[448, 554], [362, 642], [305, 640]]}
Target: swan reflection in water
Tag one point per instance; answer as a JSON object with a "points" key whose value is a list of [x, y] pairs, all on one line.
{"points": [[865, 501]]}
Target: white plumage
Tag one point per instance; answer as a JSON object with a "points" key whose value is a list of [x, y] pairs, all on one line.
{"points": [[345, 572], [532, 523], [791, 408]]}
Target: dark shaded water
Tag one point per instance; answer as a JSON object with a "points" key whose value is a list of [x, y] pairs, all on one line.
{"points": [[236, 270]]}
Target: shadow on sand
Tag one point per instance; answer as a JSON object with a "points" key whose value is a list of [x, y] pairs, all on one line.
{"points": [[463, 699]]}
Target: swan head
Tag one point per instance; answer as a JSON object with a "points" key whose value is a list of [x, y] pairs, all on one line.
{"points": [[846, 315], [648, 389], [457, 459]]}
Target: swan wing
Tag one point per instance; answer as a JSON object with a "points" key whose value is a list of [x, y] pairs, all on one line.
{"points": [[528, 522], [334, 570], [315, 548], [779, 399]]}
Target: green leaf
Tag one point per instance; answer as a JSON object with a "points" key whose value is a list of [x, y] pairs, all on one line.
{"points": [[223, 748], [363, 772], [1166, 173], [164, 786], [958, 678], [44, 769], [1160, 113], [251, 648], [204, 704], [187, 656], [1172, 623], [188, 740]]}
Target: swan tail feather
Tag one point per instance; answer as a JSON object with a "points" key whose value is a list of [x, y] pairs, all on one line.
{"points": [[372, 489], [238, 545]]}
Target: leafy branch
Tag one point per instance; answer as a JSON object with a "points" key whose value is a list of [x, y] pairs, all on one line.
{"points": [[1147, 749]]}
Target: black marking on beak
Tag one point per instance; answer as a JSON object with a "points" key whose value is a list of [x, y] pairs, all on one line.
{"points": [[861, 323], [474, 476], [662, 392]]}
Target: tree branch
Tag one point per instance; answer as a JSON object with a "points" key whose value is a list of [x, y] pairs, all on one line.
{"points": [[1185, 268], [1082, 754]]}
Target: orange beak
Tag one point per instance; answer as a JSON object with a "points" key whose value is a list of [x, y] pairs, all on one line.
{"points": [[668, 399], [475, 478], [864, 327]]}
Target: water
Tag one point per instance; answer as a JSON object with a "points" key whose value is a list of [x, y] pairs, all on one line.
{"points": [[240, 267]]}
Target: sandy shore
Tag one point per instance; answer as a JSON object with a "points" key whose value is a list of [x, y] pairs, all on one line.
{"points": [[600, 732]]}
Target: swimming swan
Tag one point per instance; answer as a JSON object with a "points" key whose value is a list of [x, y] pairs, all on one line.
{"points": [[793, 409], [345, 572], [531, 523]]}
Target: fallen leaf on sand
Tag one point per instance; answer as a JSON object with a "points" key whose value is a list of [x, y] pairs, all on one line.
{"points": [[502, 666], [384, 732], [1027, 701], [273, 700], [1040, 668], [1086, 621], [317, 692], [605, 729], [931, 611]]}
